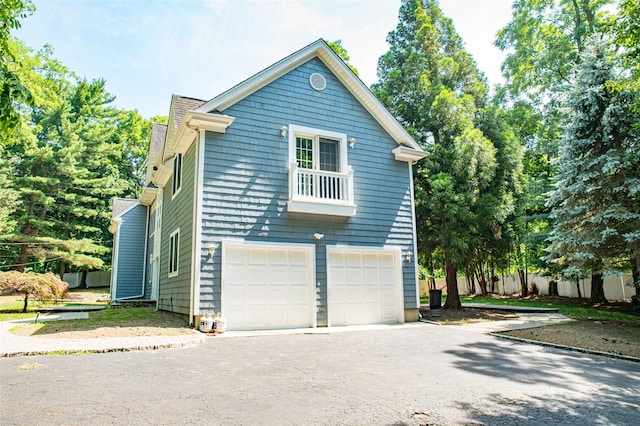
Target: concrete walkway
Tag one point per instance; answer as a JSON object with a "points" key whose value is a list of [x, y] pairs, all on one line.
{"points": [[524, 320], [511, 308], [13, 345]]}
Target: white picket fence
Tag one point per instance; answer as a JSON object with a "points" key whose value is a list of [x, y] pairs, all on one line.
{"points": [[616, 287], [94, 279]]}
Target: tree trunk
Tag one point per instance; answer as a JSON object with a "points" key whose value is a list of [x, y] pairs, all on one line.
{"points": [[524, 290], [471, 282], [493, 278], [62, 267], [22, 258], [482, 280], [578, 287], [597, 288], [83, 279], [26, 302], [453, 297], [553, 288], [432, 273], [635, 270]]}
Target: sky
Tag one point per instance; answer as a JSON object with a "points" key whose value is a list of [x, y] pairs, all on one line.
{"points": [[147, 50]]}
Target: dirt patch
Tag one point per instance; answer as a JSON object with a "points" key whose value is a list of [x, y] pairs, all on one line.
{"points": [[612, 336], [466, 315], [618, 337], [94, 333], [111, 322]]}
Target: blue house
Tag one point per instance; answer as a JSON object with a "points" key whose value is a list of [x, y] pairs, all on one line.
{"points": [[284, 202]]}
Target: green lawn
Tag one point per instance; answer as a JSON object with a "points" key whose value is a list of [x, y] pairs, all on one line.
{"points": [[12, 309], [573, 308]]}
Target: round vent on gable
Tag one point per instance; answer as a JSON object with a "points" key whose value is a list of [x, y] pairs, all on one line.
{"points": [[317, 81]]}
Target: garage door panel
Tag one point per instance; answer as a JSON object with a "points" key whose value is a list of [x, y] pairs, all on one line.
{"points": [[257, 256], [353, 259], [354, 276], [370, 260], [371, 278], [372, 296], [297, 276], [298, 259]]}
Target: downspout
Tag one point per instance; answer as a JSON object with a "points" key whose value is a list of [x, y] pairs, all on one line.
{"points": [[198, 191], [115, 223]]}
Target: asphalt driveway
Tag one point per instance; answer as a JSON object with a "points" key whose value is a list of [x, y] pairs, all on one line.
{"points": [[414, 375]]}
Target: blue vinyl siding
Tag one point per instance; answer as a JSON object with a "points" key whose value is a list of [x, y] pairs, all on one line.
{"points": [[150, 242], [246, 180], [131, 253], [177, 213]]}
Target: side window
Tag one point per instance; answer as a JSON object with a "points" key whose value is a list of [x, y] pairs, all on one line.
{"points": [[177, 173], [174, 252]]}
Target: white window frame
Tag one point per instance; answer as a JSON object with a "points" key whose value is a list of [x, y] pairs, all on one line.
{"points": [[174, 253], [177, 174], [315, 134]]}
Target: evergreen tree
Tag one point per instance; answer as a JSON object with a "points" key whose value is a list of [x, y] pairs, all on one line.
{"points": [[595, 202], [432, 85], [543, 42], [63, 167]]}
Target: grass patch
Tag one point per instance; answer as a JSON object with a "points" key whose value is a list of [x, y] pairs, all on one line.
{"points": [[11, 306], [110, 322], [573, 308], [12, 310]]}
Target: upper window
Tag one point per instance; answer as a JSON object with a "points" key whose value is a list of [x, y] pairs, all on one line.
{"points": [[174, 252], [177, 173], [318, 149]]}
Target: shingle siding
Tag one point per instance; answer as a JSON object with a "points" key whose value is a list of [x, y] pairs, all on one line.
{"points": [[246, 185], [150, 243], [131, 253], [177, 213]]}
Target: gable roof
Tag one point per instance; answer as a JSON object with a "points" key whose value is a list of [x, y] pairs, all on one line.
{"points": [[179, 107], [158, 136], [321, 50], [122, 205]]}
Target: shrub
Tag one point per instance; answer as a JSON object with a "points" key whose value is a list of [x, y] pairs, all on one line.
{"points": [[43, 287]]}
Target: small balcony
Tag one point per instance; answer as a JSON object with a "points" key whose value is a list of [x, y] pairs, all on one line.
{"points": [[321, 192]]}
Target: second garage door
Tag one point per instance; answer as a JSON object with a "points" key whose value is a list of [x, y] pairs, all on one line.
{"points": [[364, 286], [268, 286]]}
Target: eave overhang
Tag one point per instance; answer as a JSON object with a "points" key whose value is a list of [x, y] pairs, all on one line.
{"points": [[192, 122], [410, 155], [114, 224], [148, 195]]}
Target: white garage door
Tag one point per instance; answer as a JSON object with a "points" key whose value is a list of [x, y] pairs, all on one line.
{"points": [[364, 286], [267, 286]]}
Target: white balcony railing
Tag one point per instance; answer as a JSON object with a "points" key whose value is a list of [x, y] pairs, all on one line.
{"points": [[320, 191]]}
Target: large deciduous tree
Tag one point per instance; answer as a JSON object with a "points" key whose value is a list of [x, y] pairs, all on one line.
{"points": [[595, 203], [13, 86], [543, 41]]}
